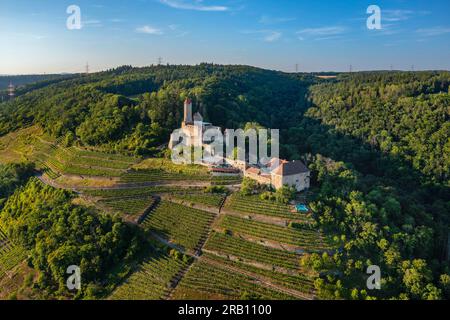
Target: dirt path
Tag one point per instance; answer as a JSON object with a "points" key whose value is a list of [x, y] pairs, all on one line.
{"points": [[170, 244], [120, 186], [52, 183]]}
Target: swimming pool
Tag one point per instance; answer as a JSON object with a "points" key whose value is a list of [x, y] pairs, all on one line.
{"points": [[301, 208]]}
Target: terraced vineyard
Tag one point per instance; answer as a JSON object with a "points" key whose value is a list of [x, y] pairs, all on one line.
{"points": [[87, 159], [235, 261], [228, 245], [56, 160], [226, 180], [207, 281], [299, 280], [130, 206], [10, 254], [129, 192], [106, 156], [16, 146], [208, 199], [308, 239], [151, 175], [44, 166], [84, 162], [255, 205], [181, 225], [152, 279]]}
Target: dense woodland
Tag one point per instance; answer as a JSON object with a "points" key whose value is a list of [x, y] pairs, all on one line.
{"points": [[26, 83], [58, 233], [23, 80], [134, 110], [378, 145], [403, 115]]}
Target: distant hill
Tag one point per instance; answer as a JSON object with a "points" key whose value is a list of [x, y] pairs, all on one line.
{"points": [[21, 80]]}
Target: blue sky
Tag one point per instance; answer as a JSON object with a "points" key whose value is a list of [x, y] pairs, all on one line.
{"points": [[317, 35]]}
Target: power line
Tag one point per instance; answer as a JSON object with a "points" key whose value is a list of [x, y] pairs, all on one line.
{"points": [[160, 61], [11, 90], [351, 68], [87, 68]]}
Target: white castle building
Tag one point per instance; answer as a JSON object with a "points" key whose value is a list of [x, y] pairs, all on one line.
{"points": [[277, 173], [192, 129]]}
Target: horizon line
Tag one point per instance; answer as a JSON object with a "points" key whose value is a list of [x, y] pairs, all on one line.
{"points": [[220, 64]]}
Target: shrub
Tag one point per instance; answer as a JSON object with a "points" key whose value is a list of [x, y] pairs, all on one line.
{"points": [[270, 196], [175, 254], [285, 194], [228, 232], [249, 187], [216, 189], [187, 259], [245, 295]]}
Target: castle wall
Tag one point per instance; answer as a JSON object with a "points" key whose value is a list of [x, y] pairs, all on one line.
{"points": [[277, 181], [299, 181], [258, 178], [241, 165]]}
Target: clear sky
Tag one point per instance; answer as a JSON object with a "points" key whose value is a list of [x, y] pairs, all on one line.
{"points": [[319, 35]]}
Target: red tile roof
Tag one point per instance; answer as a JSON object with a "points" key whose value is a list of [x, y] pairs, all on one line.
{"points": [[273, 162]]}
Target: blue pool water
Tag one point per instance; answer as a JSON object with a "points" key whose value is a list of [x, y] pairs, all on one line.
{"points": [[301, 208]]}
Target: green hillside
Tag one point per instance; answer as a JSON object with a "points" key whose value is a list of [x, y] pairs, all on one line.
{"points": [[104, 196], [134, 109]]}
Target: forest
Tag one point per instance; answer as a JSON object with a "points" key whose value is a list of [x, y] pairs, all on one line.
{"points": [[377, 143], [134, 110], [56, 232], [379, 149], [23, 80]]}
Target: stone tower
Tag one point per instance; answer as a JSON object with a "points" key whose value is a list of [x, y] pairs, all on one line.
{"points": [[188, 111]]}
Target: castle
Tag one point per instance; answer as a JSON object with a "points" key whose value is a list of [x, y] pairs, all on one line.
{"points": [[192, 128], [277, 173]]}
